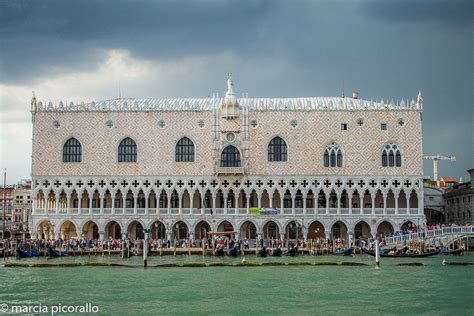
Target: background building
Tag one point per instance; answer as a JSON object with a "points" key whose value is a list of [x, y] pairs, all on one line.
{"points": [[459, 200], [324, 166], [21, 215], [7, 204]]}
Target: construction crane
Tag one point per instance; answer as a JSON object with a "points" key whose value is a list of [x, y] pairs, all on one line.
{"points": [[435, 159]]}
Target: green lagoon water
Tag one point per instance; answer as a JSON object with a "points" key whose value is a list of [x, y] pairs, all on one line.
{"points": [[431, 289]]}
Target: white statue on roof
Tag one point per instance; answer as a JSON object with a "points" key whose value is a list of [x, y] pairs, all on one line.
{"points": [[230, 106]]}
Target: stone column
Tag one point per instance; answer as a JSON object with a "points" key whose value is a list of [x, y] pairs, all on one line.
{"points": [[203, 202], [339, 197], [248, 203], [395, 196], [304, 202], [372, 196], [102, 198], [68, 201], [57, 204], [327, 202], [214, 202], [147, 195], [259, 199], [282, 236], [180, 203], [124, 202], [225, 196], [384, 195], [79, 202], [112, 197], [191, 201], [351, 238], [350, 202], [270, 199], [420, 202], [361, 198], [408, 202], [91, 197], [236, 201], [293, 198], [135, 199], [316, 203], [328, 234], [168, 196], [101, 235], [282, 200]]}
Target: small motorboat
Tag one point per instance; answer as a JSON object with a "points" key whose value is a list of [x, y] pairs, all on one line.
{"points": [[293, 251], [277, 252], [403, 255], [23, 253], [263, 252], [53, 253], [234, 251]]}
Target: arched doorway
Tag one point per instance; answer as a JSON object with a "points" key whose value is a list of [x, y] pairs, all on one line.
{"points": [[408, 227], [271, 230], [362, 230], [135, 230], [180, 230], [225, 226], [293, 230], [68, 230], [384, 228], [201, 230], [339, 230], [316, 230], [45, 230], [90, 230], [158, 230], [113, 230], [248, 230]]}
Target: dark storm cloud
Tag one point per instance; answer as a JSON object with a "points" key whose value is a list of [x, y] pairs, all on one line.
{"points": [[454, 12], [383, 49], [73, 34]]}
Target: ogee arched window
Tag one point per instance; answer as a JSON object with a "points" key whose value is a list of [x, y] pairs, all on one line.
{"points": [[127, 150], [277, 150], [391, 156], [333, 155], [184, 150], [72, 150]]}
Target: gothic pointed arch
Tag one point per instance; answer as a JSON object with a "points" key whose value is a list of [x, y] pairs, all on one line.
{"points": [[184, 151], [277, 149], [230, 157], [72, 150], [333, 156], [391, 155], [127, 150]]}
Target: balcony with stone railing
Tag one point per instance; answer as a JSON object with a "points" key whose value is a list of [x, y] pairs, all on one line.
{"points": [[225, 211]]}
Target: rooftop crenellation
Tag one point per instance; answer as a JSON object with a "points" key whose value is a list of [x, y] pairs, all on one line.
{"points": [[211, 103]]}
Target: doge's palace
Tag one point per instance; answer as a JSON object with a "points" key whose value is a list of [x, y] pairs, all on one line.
{"points": [[332, 167]]}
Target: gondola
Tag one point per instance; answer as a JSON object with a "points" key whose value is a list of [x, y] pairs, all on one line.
{"points": [[263, 252], [55, 253], [293, 251], [23, 253], [455, 252], [234, 251], [277, 252], [219, 252], [411, 255]]}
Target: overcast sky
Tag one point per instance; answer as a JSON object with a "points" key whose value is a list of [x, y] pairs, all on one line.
{"points": [[83, 50]]}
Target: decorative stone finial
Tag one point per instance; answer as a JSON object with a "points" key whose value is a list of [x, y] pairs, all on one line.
{"points": [[33, 103], [419, 99]]}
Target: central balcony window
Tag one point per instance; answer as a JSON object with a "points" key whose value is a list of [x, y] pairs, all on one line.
{"points": [[230, 161]]}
